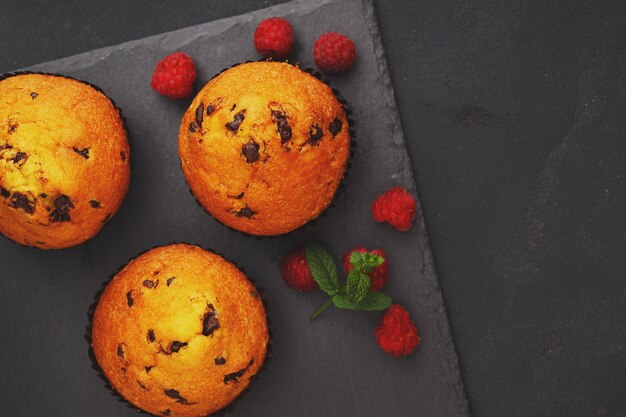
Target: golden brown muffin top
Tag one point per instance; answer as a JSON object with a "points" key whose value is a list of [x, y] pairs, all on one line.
{"points": [[64, 167], [180, 331], [264, 146]]}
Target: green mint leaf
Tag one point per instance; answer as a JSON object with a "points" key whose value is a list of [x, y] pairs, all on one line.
{"points": [[372, 259], [365, 262], [323, 268], [357, 285], [373, 301], [356, 260]]}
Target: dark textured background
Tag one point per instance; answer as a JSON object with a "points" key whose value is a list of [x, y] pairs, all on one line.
{"points": [[515, 117]]}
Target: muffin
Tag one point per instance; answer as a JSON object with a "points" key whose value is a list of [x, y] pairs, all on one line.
{"points": [[64, 167], [264, 147], [180, 332]]}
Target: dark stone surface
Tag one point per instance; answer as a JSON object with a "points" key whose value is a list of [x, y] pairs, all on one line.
{"points": [[514, 118]]}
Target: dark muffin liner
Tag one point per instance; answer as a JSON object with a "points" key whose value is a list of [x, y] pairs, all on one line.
{"points": [[129, 157], [340, 187], [107, 384]]}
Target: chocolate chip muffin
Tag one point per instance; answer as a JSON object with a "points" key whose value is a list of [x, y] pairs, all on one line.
{"points": [[180, 331], [264, 147], [64, 167]]}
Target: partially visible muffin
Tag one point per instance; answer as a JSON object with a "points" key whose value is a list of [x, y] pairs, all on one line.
{"points": [[64, 160], [264, 147], [180, 331]]}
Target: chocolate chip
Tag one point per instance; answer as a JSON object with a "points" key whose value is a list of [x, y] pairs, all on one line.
{"points": [[106, 218], [284, 130], [234, 125], [220, 361], [123, 156], [254, 294], [5, 146], [234, 107], [94, 203], [129, 298], [33, 95], [82, 152], [12, 128], [335, 126], [239, 196], [151, 337], [43, 195], [176, 346], [210, 109], [251, 151], [193, 127], [141, 384], [210, 323], [277, 115], [169, 281], [4, 192], [245, 212], [172, 393], [147, 368], [150, 284], [62, 206], [315, 134], [120, 350], [19, 157], [234, 376], [20, 201], [200, 114], [166, 412]]}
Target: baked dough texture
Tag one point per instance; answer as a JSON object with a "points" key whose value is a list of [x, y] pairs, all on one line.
{"points": [[64, 160], [264, 147], [180, 331]]}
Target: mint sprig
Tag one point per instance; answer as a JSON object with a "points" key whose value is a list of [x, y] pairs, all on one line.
{"points": [[356, 293]]}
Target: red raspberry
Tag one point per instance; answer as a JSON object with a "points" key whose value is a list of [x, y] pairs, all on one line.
{"points": [[174, 76], [274, 38], [295, 271], [396, 334], [334, 52], [378, 277], [396, 207]]}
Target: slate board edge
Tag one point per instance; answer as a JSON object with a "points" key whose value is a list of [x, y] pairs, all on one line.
{"points": [[303, 7], [428, 263]]}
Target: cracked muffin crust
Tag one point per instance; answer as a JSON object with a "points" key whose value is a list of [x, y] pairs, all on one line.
{"points": [[180, 331], [64, 167], [264, 146]]}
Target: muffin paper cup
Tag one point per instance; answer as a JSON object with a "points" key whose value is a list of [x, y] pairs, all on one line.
{"points": [[107, 383], [124, 125], [340, 187]]}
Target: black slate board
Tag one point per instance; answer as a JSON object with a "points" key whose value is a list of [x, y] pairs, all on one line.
{"points": [[331, 367]]}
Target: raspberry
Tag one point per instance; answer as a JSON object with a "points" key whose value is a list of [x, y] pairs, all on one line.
{"points": [[334, 52], [378, 277], [396, 207], [174, 76], [274, 38], [396, 334], [295, 271]]}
